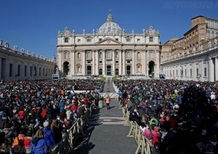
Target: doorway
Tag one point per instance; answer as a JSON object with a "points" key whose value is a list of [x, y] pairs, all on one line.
{"points": [[116, 71], [66, 68], [151, 69], [89, 70], [108, 69], [128, 70], [100, 71]]}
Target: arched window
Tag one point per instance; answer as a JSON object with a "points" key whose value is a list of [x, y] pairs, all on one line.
{"points": [[151, 39], [108, 55], [66, 40]]}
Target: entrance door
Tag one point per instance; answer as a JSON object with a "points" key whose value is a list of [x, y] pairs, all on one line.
{"points": [[100, 71], [108, 69], [128, 70], [89, 70], [66, 68], [116, 71], [151, 69]]}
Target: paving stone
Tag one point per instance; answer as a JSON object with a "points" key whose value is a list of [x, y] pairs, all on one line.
{"points": [[109, 135]]}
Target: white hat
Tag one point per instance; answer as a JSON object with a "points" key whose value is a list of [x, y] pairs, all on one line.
{"points": [[45, 124]]}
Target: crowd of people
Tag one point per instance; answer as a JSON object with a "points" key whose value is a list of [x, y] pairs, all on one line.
{"points": [[175, 117], [34, 114]]}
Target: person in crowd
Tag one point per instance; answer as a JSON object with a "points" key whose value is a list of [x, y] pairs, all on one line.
{"points": [[48, 134], [107, 101], [39, 145], [27, 141]]}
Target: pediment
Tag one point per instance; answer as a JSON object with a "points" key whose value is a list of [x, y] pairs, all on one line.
{"points": [[108, 41]]}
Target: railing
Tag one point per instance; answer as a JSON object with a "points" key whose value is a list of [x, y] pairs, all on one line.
{"points": [[143, 145], [203, 48], [76, 129], [23, 53], [71, 135], [68, 138], [111, 95]]}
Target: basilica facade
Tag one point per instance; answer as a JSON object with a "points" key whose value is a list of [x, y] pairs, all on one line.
{"points": [[108, 51]]}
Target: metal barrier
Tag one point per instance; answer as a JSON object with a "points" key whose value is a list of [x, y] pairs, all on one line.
{"points": [[143, 144], [70, 137], [111, 95], [126, 116], [76, 129]]}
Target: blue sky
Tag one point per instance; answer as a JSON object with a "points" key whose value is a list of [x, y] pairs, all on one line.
{"points": [[33, 24]]}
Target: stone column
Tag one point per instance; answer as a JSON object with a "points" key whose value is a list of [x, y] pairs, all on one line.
{"points": [[22, 71], [211, 70], [201, 70], [133, 62], [124, 62], [192, 73], [0, 68], [157, 64], [73, 56], [146, 63], [83, 63], [96, 63], [179, 72], [72, 63], [103, 63], [216, 68], [59, 62], [113, 63], [187, 71], [191, 70], [93, 62], [120, 62]]}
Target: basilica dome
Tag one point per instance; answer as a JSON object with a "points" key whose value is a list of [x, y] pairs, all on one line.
{"points": [[109, 27]]}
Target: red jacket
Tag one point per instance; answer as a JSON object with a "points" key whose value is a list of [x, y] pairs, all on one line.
{"points": [[73, 107], [107, 100], [155, 137], [27, 141], [21, 114], [17, 97], [86, 101], [44, 113]]}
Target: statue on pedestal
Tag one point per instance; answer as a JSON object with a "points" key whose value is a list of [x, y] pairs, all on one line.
{"points": [[6, 44]]}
